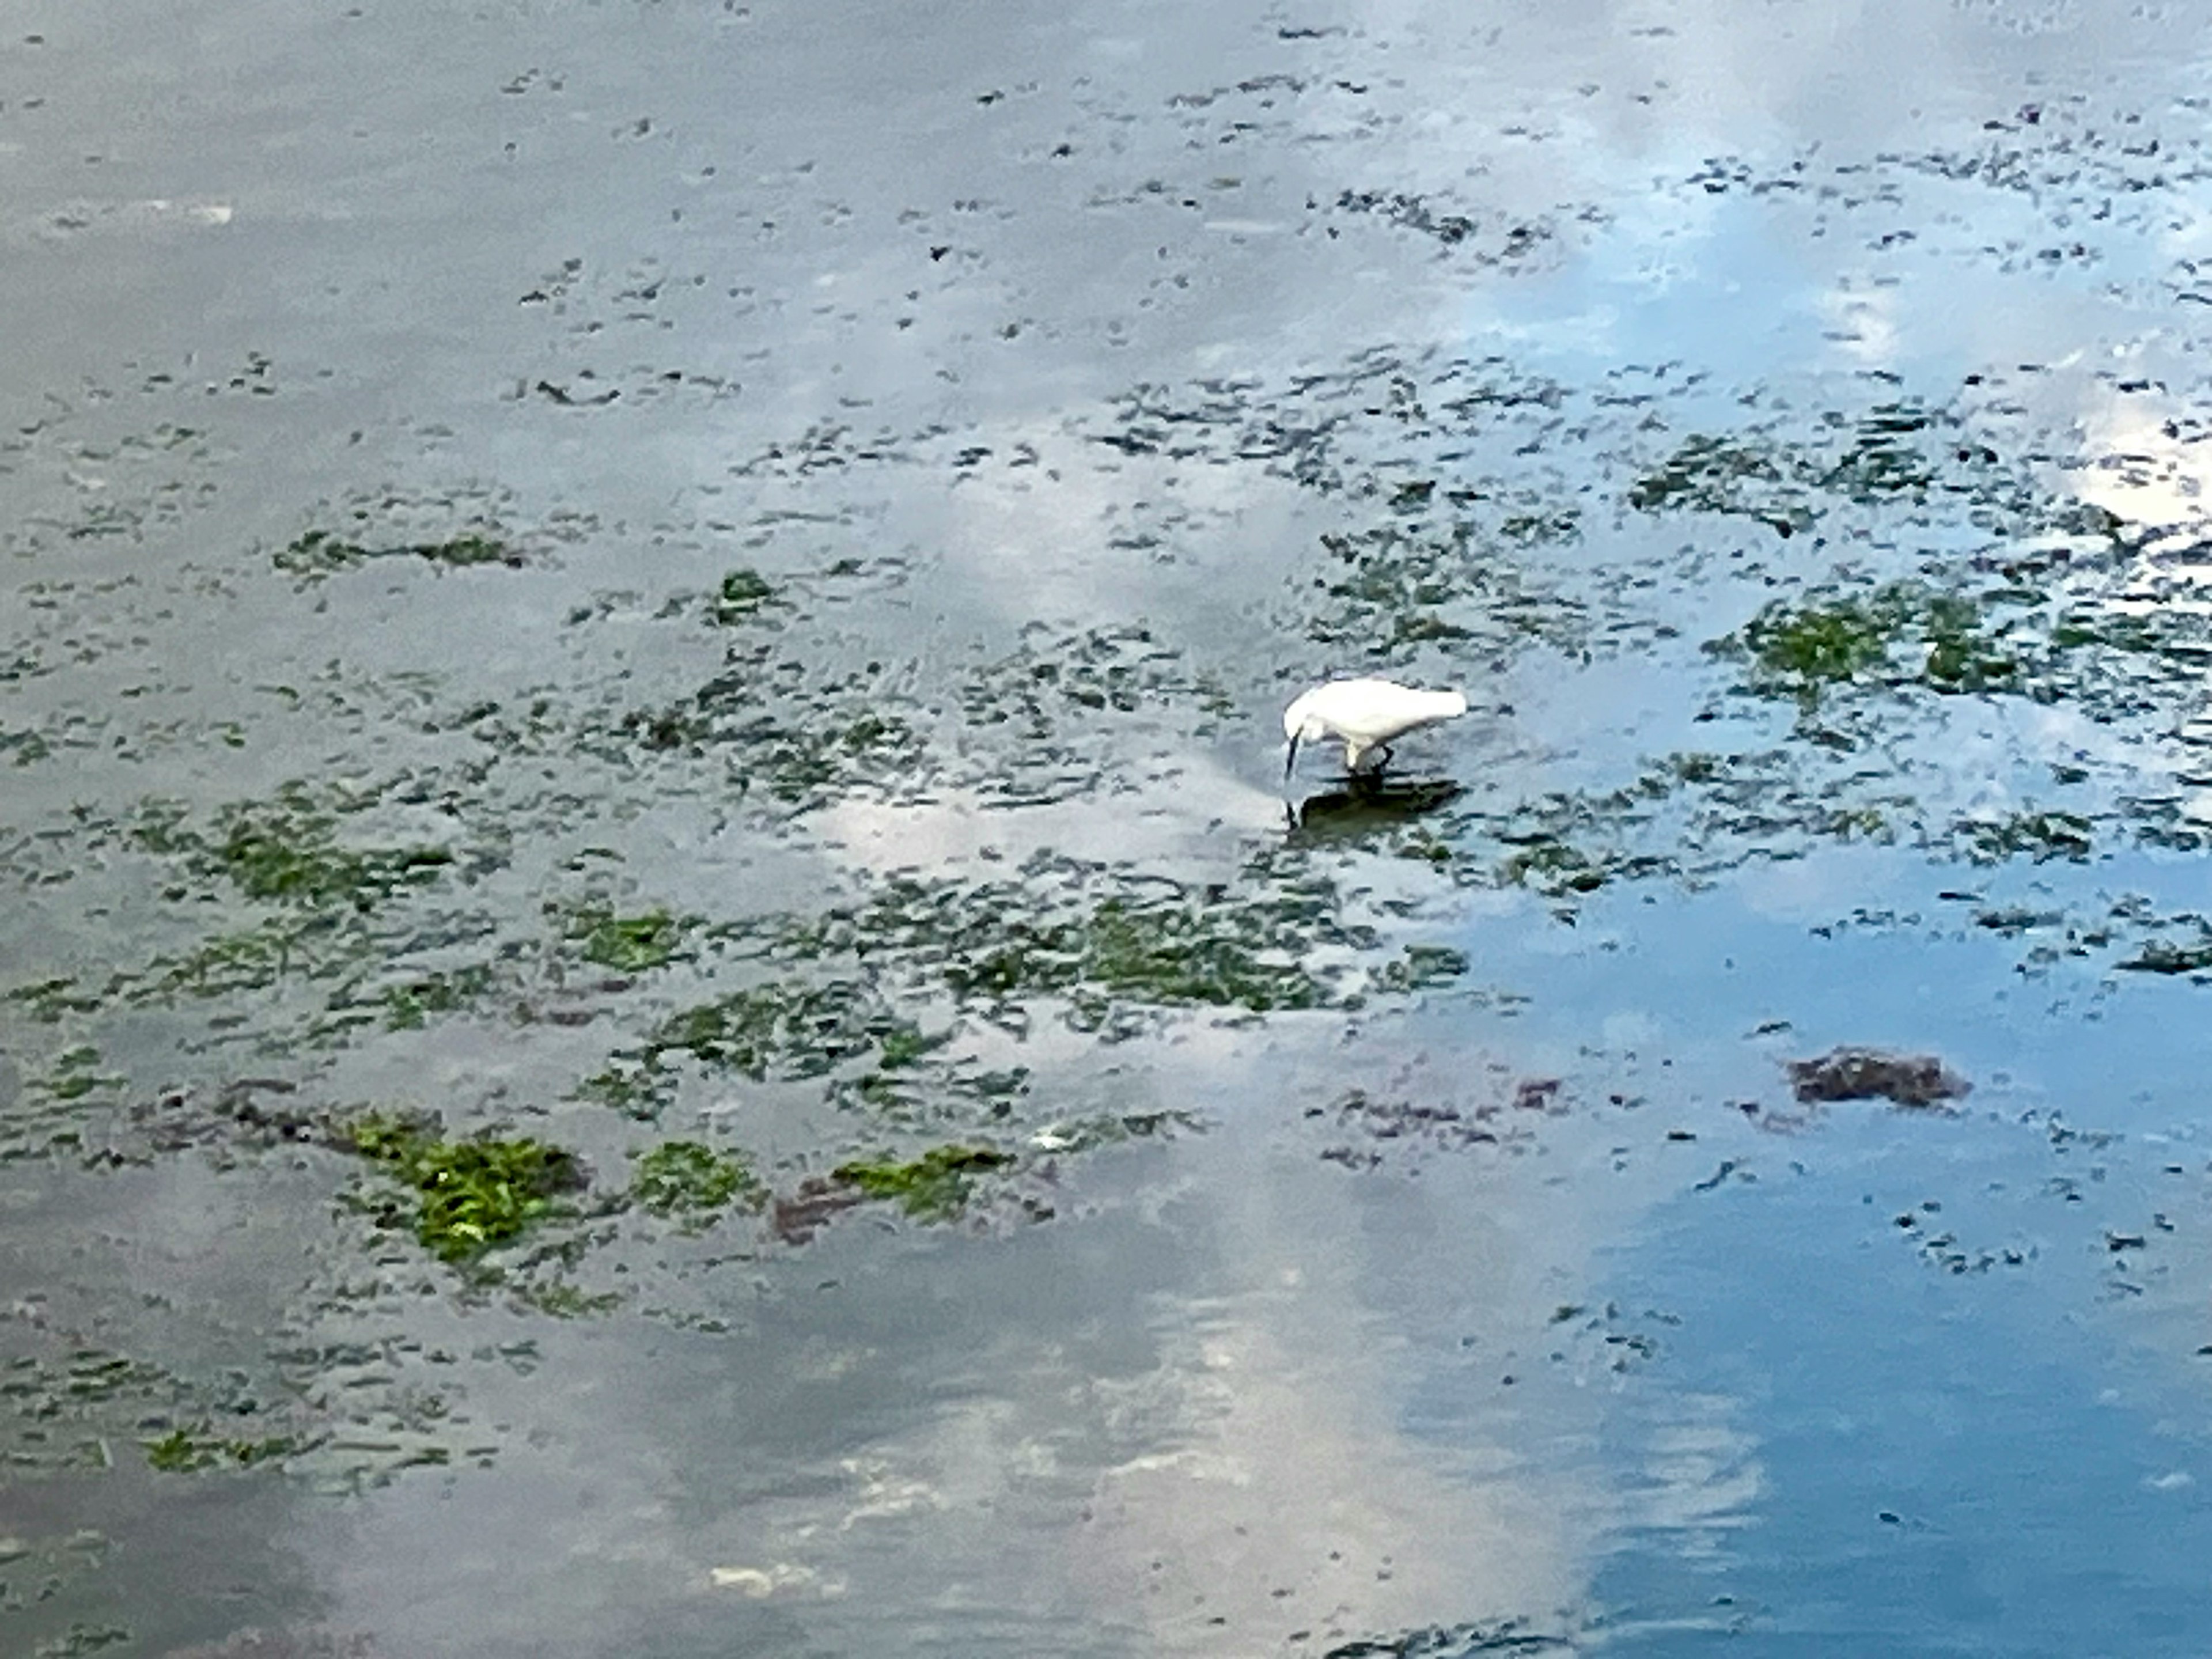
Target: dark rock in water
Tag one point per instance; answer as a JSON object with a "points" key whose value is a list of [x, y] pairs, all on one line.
{"points": [[1875, 1074], [796, 1219]]}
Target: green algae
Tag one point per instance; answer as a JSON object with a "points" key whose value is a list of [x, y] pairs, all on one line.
{"points": [[76, 1074], [1422, 968], [638, 1089], [1869, 461], [1838, 639], [2040, 835], [559, 1298], [67, 1413], [740, 598], [779, 755], [286, 850], [467, 1196], [785, 1029], [630, 945], [1556, 868], [937, 1089], [1143, 942], [808, 765], [1393, 586], [1059, 708], [412, 1004], [190, 1450], [690, 1181], [1813, 643], [1104, 941], [82, 1640], [321, 553], [56, 1109], [1740, 477], [49, 1001], [243, 959], [1057, 675], [2161, 956], [934, 1187]]}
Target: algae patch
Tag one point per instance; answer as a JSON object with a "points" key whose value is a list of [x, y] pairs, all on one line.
{"points": [[321, 553], [934, 1187], [1890, 452], [286, 850], [187, 1450], [630, 945], [786, 1029], [466, 1196], [1798, 650], [1105, 941], [690, 1181], [740, 598]]}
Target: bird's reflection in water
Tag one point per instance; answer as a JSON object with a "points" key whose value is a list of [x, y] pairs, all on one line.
{"points": [[1368, 805]]}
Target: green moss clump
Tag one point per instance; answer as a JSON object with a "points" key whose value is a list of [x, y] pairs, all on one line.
{"points": [[1800, 650], [51, 1000], [2041, 835], [630, 945], [470, 1196], [689, 1180], [188, 1450], [1961, 658], [1421, 967], [560, 1299], [739, 599], [1555, 868], [1831, 643], [291, 858], [1880, 461], [636, 1088], [286, 851], [76, 1074], [1777, 483], [249, 959], [321, 553], [1707, 474], [1147, 944], [806, 765], [903, 1044], [2165, 956], [1397, 586], [1176, 952], [409, 1005], [934, 1187], [662, 730], [787, 1029]]}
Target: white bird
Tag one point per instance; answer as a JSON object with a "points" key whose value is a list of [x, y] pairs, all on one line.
{"points": [[1366, 714]]}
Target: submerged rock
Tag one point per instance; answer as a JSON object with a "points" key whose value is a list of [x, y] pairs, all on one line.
{"points": [[1876, 1074]]}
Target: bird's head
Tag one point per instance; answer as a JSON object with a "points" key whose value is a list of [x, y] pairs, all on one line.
{"points": [[1300, 725]]}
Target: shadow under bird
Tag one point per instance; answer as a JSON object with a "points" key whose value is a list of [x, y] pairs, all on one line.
{"points": [[1365, 714]]}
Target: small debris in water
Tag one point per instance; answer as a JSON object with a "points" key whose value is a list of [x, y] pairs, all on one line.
{"points": [[1875, 1074]]}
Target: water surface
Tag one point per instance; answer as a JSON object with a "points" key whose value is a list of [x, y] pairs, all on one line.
{"points": [[658, 994]]}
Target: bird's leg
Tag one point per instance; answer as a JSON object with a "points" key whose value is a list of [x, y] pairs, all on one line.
{"points": [[1386, 752]]}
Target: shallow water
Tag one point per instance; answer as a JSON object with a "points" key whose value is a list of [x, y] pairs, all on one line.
{"points": [[657, 994]]}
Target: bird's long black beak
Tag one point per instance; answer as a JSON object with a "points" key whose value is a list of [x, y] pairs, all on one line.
{"points": [[1290, 758]]}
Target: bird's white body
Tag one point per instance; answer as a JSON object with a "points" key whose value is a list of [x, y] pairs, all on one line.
{"points": [[1365, 714]]}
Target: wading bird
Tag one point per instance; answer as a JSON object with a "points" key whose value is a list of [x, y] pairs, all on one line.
{"points": [[1366, 714]]}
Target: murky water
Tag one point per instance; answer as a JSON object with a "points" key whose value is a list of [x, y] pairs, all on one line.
{"points": [[657, 994]]}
